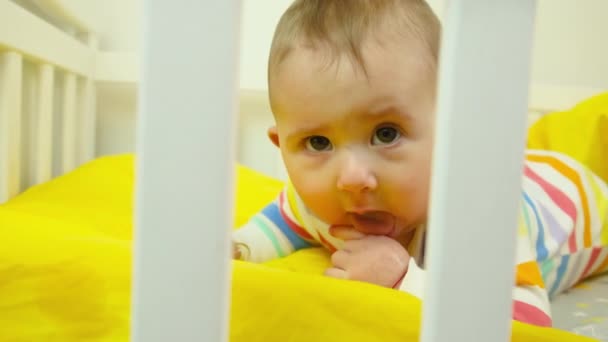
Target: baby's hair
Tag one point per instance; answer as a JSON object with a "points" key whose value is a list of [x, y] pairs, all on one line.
{"points": [[341, 26]]}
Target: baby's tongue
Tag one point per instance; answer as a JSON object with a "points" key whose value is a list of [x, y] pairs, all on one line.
{"points": [[374, 223]]}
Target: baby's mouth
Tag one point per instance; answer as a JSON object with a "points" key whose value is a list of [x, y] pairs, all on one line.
{"points": [[373, 222]]}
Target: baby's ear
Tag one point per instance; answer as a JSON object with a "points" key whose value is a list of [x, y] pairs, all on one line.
{"points": [[273, 134]]}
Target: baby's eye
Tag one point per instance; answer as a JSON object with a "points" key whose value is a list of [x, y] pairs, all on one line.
{"points": [[385, 135], [318, 143]]}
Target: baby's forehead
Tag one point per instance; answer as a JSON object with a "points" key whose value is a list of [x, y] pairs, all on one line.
{"points": [[324, 56], [382, 65], [308, 87]]}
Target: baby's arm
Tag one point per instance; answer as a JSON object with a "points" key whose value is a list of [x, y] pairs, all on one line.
{"points": [[531, 305], [270, 234], [530, 300]]}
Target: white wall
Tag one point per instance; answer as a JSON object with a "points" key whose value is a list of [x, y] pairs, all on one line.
{"points": [[571, 46], [258, 22], [570, 50]]}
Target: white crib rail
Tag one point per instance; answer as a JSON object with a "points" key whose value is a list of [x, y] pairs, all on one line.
{"points": [[185, 168], [22, 31], [87, 110], [68, 132], [476, 185], [41, 125], [10, 124], [27, 118]]}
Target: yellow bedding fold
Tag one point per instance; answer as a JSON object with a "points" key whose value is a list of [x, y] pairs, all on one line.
{"points": [[581, 133], [65, 264]]}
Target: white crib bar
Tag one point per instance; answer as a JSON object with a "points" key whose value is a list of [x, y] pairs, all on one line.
{"points": [[478, 159], [68, 132], [43, 125], [87, 111], [185, 168], [11, 76], [87, 124]]}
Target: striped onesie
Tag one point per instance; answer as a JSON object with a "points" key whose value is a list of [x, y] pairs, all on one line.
{"points": [[562, 236]]}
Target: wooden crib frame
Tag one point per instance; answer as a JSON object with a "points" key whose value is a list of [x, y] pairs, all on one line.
{"points": [[188, 104]]}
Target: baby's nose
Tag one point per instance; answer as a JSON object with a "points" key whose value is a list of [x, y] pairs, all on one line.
{"points": [[355, 176]]}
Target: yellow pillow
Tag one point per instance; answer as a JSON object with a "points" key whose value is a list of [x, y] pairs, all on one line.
{"points": [[65, 271], [581, 133]]}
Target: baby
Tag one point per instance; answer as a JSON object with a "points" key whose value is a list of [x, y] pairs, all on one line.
{"points": [[352, 88]]}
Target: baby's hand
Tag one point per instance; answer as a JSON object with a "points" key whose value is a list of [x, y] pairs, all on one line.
{"points": [[374, 259]]}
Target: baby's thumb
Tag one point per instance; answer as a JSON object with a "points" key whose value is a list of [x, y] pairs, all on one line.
{"points": [[345, 233]]}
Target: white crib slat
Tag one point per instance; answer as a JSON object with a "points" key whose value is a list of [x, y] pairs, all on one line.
{"points": [[87, 101], [87, 135], [10, 124], [68, 132], [476, 186], [43, 126], [184, 172]]}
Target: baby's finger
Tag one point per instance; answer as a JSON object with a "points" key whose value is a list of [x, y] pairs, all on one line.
{"points": [[345, 233], [340, 259], [336, 273]]}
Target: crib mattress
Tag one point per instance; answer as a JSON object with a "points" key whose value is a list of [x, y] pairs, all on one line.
{"points": [[583, 310]]}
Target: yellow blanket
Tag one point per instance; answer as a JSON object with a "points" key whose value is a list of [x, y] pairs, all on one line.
{"points": [[65, 265]]}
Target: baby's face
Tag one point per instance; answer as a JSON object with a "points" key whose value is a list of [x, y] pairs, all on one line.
{"points": [[358, 149]]}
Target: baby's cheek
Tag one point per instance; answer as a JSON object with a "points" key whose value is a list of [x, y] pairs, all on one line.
{"points": [[409, 198], [309, 186], [322, 205], [320, 199]]}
